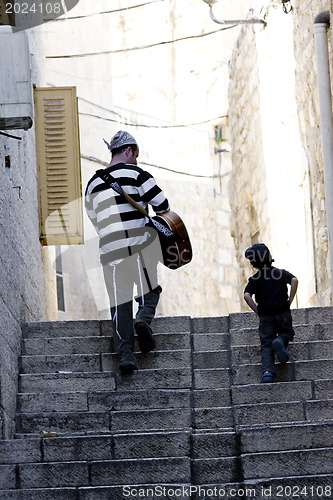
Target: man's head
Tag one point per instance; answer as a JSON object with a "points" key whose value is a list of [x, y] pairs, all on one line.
{"points": [[123, 147], [259, 255]]}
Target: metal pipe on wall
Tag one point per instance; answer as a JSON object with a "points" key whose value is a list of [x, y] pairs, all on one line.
{"points": [[321, 25]]}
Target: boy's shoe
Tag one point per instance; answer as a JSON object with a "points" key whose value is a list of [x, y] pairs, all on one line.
{"points": [[267, 377], [280, 350], [145, 338]]}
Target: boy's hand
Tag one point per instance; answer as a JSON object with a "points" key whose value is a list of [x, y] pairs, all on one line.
{"points": [[250, 302], [293, 289]]}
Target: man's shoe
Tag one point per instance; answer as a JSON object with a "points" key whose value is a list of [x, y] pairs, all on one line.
{"points": [[267, 377], [145, 338], [126, 367], [127, 363], [280, 350]]}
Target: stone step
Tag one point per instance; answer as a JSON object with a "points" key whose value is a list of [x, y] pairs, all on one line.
{"points": [[303, 487], [106, 400], [95, 328], [308, 316], [175, 470], [83, 423], [95, 345], [287, 437], [67, 423], [102, 362], [278, 392], [179, 378], [96, 448], [303, 333], [320, 349], [287, 463], [288, 411], [295, 370], [211, 378], [317, 487]]}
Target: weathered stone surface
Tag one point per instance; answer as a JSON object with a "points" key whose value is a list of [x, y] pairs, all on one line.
{"points": [[53, 401], [65, 382], [67, 345], [7, 477], [54, 475], [86, 328], [65, 422], [212, 470], [214, 445], [317, 411], [40, 494], [178, 378], [210, 325], [71, 449], [140, 399], [146, 420], [213, 418], [18, 451], [287, 437], [211, 378], [210, 359], [58, 363], [267, 393], [153, 360], [210, 398], [210, 341], [248, 415], [156, 445], [284, 464], [133, 490], [164, 470]]}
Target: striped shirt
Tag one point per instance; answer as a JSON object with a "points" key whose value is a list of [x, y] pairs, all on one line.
{"points": [[120, 226]]}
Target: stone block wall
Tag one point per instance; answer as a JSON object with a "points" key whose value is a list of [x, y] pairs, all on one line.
{"points": [[264, 201], [309, 125], [26, 292]]}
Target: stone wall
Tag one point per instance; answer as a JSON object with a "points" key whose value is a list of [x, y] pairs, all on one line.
{"points": [[27, 288], [247, 186], [276, 149], [309, 125]]}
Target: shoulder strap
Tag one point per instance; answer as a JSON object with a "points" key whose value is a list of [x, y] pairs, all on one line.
{"points": [[111, 182]]}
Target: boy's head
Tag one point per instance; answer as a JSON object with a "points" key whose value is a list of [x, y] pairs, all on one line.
{"points": [[259, 255]]}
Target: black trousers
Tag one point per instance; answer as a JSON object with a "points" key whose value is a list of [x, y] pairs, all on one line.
{"points": [[271, 327], [120, 279]]}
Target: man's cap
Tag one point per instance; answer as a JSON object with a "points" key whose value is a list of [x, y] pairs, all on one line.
{"points": [[259, 255], [121, 138]]}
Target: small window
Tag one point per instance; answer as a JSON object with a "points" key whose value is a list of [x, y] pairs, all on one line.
{"points": [[7, 15], [60, 280]]}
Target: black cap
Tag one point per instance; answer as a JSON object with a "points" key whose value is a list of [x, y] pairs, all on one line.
{"points": [[259, 255]]}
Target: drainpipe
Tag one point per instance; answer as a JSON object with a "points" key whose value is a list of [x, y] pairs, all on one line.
{"points": [[236, 21], [321, 25]]}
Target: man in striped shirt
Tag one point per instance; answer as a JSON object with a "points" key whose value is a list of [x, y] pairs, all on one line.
{"points": [[128, 252]]}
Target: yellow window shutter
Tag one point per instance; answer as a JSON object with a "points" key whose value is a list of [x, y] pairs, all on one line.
{"points": [[59, 168]]}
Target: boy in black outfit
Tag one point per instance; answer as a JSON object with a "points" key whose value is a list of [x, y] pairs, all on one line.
{"points": [[269, 285]]}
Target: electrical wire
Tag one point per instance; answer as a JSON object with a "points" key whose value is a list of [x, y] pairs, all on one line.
{"points": [[151, 126], [107, 11], [104, 163], [142, 47]]}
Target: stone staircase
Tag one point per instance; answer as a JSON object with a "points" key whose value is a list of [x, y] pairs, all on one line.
{"points": [[192, 422]]}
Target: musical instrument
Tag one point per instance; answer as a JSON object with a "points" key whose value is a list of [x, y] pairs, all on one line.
{"points": [[176, 248]]}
